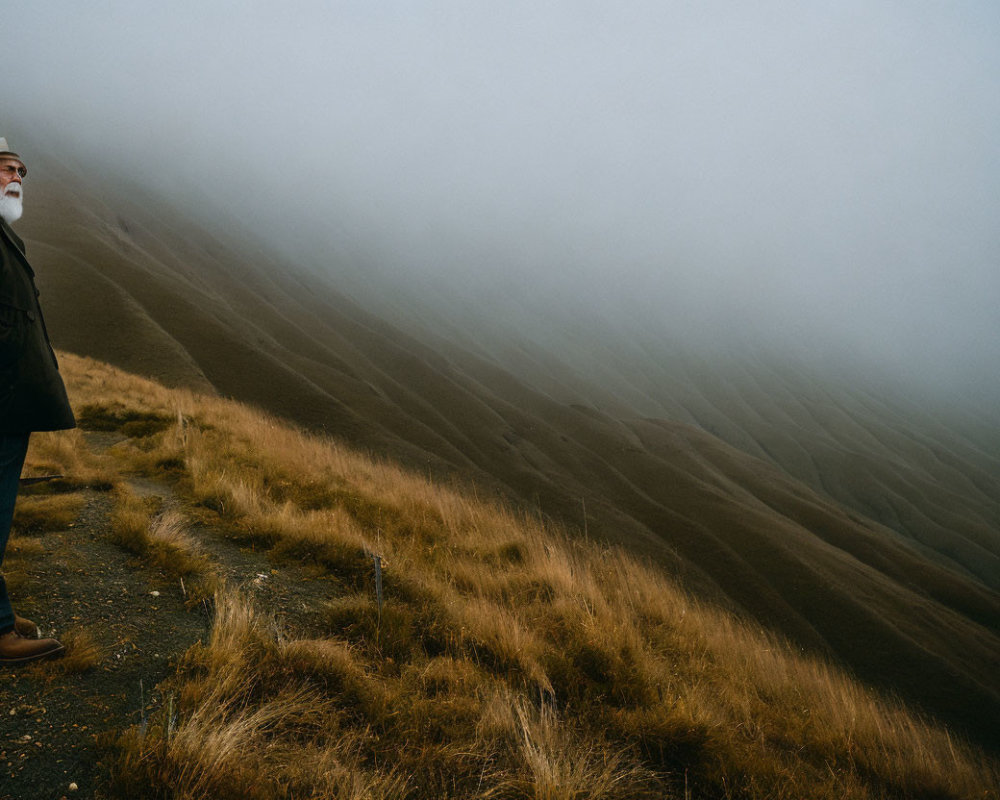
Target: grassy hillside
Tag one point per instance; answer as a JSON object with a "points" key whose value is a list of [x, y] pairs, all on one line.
{"points": [[501, 658], [852, 525]]}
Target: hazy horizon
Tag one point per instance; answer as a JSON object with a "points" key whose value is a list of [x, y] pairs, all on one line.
{"points": [[818, 178]]}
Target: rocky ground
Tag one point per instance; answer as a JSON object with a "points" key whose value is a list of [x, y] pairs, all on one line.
{"points": [[125, 625]]}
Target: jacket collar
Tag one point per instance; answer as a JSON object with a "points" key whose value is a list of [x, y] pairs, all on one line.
{"points": [[8, 233]]}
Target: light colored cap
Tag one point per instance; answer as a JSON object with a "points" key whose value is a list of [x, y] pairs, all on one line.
{"points": [[5, 151]]}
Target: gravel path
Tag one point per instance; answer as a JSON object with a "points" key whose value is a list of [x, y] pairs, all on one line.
{"points": [[49, 717]]}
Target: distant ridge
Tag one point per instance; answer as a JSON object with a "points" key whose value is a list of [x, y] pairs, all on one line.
{"points": [[847, 523]]}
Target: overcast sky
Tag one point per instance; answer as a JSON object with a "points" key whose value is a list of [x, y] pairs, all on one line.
{"points": [[791, 167]]}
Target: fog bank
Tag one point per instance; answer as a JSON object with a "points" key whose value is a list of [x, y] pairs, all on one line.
{"points": [[821, 179]]}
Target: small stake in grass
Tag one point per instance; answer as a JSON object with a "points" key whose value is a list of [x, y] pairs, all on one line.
{"points": [[171, 717], [378, 585], [142, 709]]}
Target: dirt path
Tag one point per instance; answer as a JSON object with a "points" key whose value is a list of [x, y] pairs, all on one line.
{"points": [[85, 589], [49, 718]]}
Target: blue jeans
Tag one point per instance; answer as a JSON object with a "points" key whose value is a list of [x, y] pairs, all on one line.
{"points": [[13, 448]]}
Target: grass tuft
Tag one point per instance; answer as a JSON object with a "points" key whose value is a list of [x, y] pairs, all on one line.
{"points": [[161, 538], [82, 651], [38, 514], [119, 417], [66, 453]]}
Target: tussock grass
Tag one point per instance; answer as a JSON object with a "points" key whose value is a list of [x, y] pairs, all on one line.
{"points": [[21, 547], [66, 453], [37, 514], [161, 538], [19, 584], [131, 519], [558, 768], [115, 416], [82, 651], [53, 505], [506, 660], [249, 731]]}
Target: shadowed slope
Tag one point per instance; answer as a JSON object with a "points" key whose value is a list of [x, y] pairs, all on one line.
{"points": [[627, 444]]}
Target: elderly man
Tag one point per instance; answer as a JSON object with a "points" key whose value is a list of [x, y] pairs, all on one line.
{"points": [[32, 395]]}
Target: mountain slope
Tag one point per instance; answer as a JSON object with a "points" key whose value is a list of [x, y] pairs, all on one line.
{"points": [[484, 653], [850, 524]]}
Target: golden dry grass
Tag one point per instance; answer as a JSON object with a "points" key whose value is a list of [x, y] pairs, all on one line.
{"points": [[66, 453], [82, 651], [37, 514], [162, 539], [54, 504], [504, 660], [49, 506]]}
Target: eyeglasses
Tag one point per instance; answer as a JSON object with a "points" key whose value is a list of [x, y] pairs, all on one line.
{"points": [[9, 171]]}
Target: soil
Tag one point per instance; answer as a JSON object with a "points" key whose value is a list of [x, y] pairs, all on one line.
{"points": [[50, 716]]}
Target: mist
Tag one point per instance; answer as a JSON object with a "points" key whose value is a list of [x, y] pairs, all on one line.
{"points": [[822, 180]]}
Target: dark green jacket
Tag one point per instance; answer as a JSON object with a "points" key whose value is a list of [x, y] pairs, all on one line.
{"points": [[32, 394]]}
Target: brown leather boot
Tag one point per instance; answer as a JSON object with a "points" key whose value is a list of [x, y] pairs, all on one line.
{"points": [[25, 627], [15, 649]]}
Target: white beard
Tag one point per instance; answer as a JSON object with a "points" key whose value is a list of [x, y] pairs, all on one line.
{"points": [[12, 205]]}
